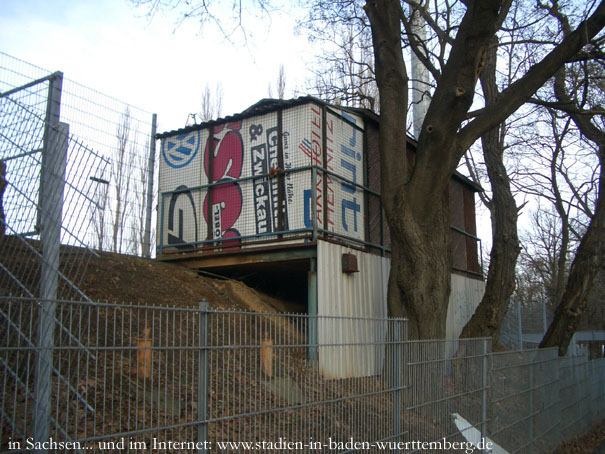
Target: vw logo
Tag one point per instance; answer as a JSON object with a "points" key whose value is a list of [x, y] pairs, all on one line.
{"points": [[180, 150]]}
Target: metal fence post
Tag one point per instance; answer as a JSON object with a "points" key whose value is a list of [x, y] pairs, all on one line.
{"points": [[397, 379], [159, 239], [202, 381], [558, 401], [484, 393], [52, 180], [150, 175], [531, 407], [519, 326], [313, 321]]}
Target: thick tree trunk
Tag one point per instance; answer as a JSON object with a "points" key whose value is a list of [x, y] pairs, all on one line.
{"points": [[415, 203], [591, 253], [585, 266], [420, 270], [500, 285]]}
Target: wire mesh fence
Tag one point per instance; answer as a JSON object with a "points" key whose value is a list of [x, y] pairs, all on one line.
{"points": [[524, 325], [132, 375], [171, 378], [524, 417], [446, 399], [578, 395], [269, 383], [46, 179], [123, 216]]}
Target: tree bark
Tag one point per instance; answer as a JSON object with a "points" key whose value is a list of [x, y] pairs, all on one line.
{"points": [[559, 271], [419, 282], [500, 285], [415, 203]]}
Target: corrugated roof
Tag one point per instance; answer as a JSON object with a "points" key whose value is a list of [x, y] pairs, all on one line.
{"points": [[264, 106]]}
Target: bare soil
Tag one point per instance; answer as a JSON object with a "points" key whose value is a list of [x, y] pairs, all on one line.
{"points": [[127, 279], [117, 278], [591, 443]]}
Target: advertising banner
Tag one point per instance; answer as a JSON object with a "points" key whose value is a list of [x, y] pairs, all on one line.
{"points": [[226, 183]]}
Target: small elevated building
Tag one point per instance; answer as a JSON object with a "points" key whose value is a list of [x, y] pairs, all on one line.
{"points": [[286, 195]]}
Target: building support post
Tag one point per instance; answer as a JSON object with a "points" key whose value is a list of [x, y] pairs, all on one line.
{"points": [[312, 310]]}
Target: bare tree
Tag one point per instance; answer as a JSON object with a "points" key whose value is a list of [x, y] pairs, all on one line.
{"points": [[564, 155], [345, 71], [539, 264], [562, 174], [141, 175], [211, 103], [590, 254], [518, 38], [281, 83], [487, 318], [121, 168]]}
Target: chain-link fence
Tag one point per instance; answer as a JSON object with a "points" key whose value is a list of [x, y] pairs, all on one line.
{"points": [[179, 379], [123, 217]]}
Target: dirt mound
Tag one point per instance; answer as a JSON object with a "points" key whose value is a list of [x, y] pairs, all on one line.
{"points": [[127, 279], [252, 299], [118, 278]]}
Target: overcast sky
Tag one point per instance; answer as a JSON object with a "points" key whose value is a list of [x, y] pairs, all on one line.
{"points": [[155, 64]]}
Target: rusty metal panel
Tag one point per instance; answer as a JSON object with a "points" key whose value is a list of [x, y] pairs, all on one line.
{"points": [[456, 203], [470, 226], [362, 294]]}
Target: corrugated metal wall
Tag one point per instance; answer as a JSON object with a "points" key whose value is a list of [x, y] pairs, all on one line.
{"points": [[362, 294], [465, 296]]}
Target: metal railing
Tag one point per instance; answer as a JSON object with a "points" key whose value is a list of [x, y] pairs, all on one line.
{"points": [[197, 231], [204, 237], [190, 377]]}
